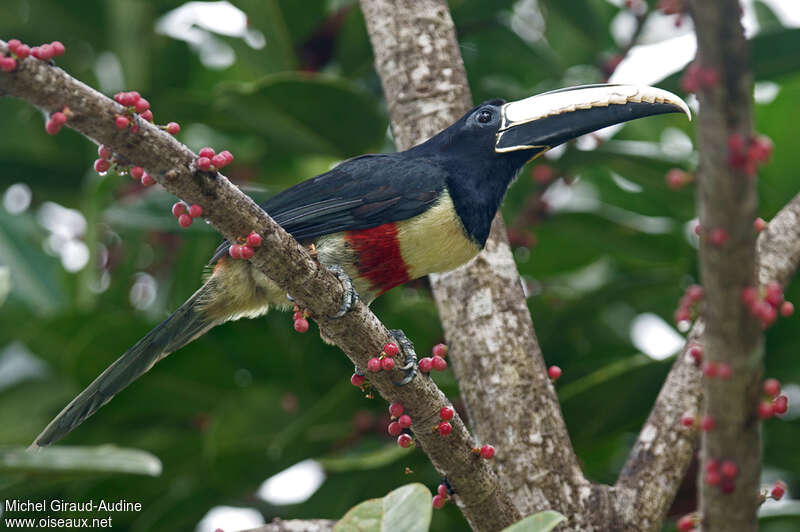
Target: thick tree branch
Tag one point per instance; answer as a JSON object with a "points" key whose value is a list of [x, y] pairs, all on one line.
{"points": [[728, 202], [359, 334], [495, 353]]}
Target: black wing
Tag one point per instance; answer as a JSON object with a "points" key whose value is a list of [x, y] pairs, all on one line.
{"points": [[360, 193]]}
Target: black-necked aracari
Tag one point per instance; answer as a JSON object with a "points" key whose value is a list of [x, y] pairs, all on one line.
{"points": [[385, 218]]}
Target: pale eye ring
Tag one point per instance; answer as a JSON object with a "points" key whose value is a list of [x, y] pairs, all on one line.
{"points": [[484, 116]]}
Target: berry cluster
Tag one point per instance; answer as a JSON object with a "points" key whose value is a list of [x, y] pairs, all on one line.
{"points": [[208, 161], [133, 103], [300, 324], [720, 370], [554, 372], [699, 78], [442, 495], [246, 250], [400, 424], [773, 403], [184, 214], [776, 493], [105, 163], [687, 522], [765, 305], [705, 423], [385, 360], [677, 178], [722, 474], [688, 303], [746, 155], [18, 51], [435, 362], [56, 120], [446, 414]]}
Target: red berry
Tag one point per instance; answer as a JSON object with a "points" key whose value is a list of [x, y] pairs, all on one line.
{"points": [[147, 180], [554, 372], [447, 413], [439, 364], [439, 350], [759, 224], [710, 370], [235, 251], [442, 490], [206, 152], [396, 409], [724, 370], [694, 293], [247, 252], [729, 469], [46, 52], [677, 178], [686, 523], [203, 163], [787, 309], [765, 410], [301, 326], [727, 485], [374, 364], [23, 51], [445, 428], [141, 105], [778, 490], [227, 155], [487, 451], [404, 420], [404, 441], [391, 349], [178, 208], [387, 363], [426, 364], [712, 464], [52, 127], [7, 64], [195, 211], [781, 404], [101, 165], [59, 118], [707, 423], [104, 152], [772, 387], [749, 295], [122, 122], [713, 478], [173, 128], [219, 161], [58, 49], [254, 240], [297, 315], [137, 172], [688, 420], [394, 428], [696, 352], [774, 294], [184, 220], [717, 237], [357, 380], [13, 44], [439, 502], [147, 115]]}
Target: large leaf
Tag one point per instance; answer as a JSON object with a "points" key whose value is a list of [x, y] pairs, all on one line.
{"points": [[103, 459], [541, 522], [407, 508]]}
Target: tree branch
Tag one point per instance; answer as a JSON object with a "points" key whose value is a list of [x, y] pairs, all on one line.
{"points": [[359, 333]]}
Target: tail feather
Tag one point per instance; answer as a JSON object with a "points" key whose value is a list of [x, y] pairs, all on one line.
{"points": [[180, 328]]}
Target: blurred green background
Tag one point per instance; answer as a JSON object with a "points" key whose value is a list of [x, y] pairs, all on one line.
{"points": [[88, 264]]}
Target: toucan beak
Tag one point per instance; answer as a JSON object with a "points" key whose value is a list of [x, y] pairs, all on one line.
{"points": [[546, 120]]}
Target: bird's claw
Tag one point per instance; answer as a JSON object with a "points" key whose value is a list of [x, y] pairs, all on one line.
{"points": [[410, 356], [350, 296]]}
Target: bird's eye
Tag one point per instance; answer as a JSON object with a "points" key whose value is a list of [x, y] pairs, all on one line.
{"points": [[485, 116]]}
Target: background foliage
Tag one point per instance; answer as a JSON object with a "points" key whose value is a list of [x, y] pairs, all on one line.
{"points": [[252, 398]]}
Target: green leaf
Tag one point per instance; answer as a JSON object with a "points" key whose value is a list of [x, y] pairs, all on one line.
{"points": [[407, 508], [368, 460], [102, 459], [5, 284], [363, 517], [541, 522]]}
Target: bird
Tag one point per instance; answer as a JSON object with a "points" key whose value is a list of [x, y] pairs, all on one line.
{"points": [[381, 220]]}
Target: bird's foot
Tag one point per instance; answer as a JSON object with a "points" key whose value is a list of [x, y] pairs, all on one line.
{"points": [[350, 296], [410, 356]]}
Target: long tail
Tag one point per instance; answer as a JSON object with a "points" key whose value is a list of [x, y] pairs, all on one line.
{"points": [[180, 328]]}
